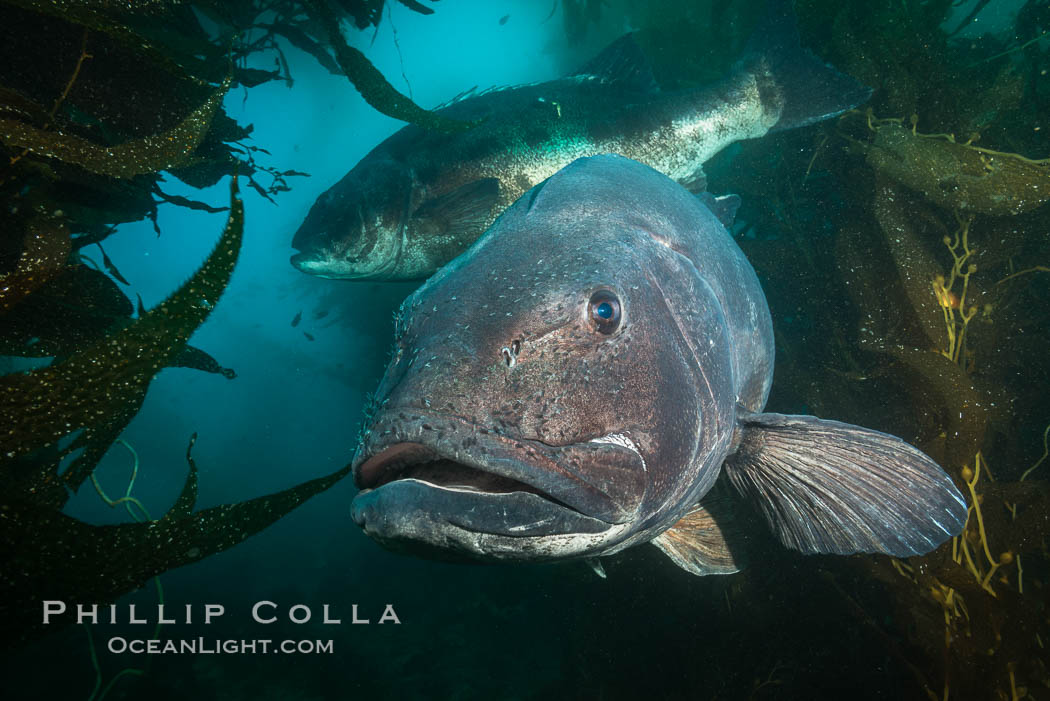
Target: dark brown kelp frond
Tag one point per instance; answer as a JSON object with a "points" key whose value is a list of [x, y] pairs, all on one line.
{"points": [[197, 359], [958, 175], [76, 307], [45, 250], [417, 7], [100, 388], [67, 559], [148, 155], [14, 103], [373, 87], [111, 19]]}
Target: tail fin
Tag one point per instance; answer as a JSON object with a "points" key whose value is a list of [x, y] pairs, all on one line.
{"points": [[812, 91]]}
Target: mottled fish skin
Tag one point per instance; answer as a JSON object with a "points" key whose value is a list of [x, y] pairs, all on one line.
{"points": [[376, 223], [577, 380], [609, 438]]}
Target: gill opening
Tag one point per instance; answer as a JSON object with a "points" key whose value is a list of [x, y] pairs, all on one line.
{"points": [[402, 229], [708, 434]]}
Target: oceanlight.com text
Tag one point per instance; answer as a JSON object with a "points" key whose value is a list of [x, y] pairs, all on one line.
{"points": [[213, 646]]}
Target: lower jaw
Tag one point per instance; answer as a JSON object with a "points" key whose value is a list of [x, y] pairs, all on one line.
{"points": [[312, 264], [412, 511], [327, 272]]}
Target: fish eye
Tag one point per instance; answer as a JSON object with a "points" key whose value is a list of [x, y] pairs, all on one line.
{"points": [[604, 311]]}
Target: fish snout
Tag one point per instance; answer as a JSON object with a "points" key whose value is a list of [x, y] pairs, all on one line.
{"points": [[309, 262]]}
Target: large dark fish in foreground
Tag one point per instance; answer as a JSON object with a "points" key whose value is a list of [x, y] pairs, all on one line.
{"points": [[421, 198], [577, 381]]}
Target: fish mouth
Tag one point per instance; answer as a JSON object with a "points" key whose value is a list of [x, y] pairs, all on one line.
{"points": [[415, 461], [442, 470], [322, 264]]}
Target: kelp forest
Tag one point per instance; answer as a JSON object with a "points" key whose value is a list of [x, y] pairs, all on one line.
{"points": [[97, 100], [904, 248]]}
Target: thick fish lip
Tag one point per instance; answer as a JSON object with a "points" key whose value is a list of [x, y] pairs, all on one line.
{"points": [[601, 479], [309, 263], [415, 515]]}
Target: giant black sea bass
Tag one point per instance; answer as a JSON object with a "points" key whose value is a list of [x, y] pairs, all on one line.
{"points": [[421, 198], [583, 377]]}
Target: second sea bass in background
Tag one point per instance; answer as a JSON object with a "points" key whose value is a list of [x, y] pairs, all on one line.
{"points": [[421, 198]]}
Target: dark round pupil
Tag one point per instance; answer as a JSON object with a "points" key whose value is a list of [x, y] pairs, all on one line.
{"points": [[604, 311]]}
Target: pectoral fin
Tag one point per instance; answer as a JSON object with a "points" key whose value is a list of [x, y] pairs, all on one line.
{"points": [[724, 207], [701, 540], [596, 565], [468, 208], [695, 182], [829, 487]]}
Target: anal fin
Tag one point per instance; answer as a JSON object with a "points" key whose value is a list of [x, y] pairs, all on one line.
{"points": [[705, 541], [830, 487]]}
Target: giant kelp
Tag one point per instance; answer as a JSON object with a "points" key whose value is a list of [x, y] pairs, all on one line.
{"points": [[91, 396], [370, 82], [904, 255], [169, 34], [967, 605], [99, 388], [960, 176], [96, 99], [45, 249], [49, 555], [76, 307], [111, 89], [164, 151]]}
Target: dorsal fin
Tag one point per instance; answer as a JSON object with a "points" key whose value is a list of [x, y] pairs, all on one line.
{"points": [[622, 63], [468, 93]]}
